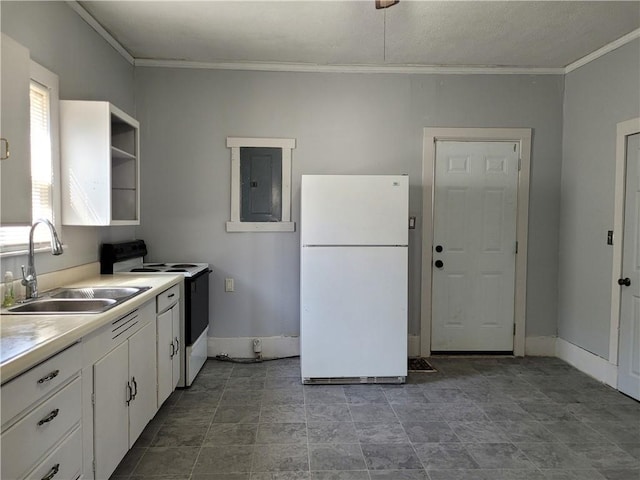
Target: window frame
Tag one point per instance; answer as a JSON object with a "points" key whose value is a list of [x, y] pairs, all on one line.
{"points": [[49, 80], [285, 224]]}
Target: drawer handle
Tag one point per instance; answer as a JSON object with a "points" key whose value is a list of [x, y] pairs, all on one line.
{"points": [[52, 473], [171, 296], [49, 417], [51, 376]]}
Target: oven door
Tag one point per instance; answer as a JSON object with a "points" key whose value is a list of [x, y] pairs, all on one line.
{"points": [[196, 306]]}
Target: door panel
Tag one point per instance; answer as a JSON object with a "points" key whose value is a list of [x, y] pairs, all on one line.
{"points": [[629, 351], [354, 312], [354, 209], [111, 413], [175, 320], [166, 346], [143, 375], [475, 206]]}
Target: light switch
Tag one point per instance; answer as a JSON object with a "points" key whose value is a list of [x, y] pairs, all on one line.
{"points": [[228, 285]]}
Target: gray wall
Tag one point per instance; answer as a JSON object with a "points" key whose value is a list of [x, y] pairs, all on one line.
{"points": [[597, 97], [343, 123], [88, 69]]}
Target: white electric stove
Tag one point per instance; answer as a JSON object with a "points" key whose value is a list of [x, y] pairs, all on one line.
{"points": [[128, 257]]}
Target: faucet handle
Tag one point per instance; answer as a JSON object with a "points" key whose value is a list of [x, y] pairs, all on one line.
{"points": [[24, 275]]}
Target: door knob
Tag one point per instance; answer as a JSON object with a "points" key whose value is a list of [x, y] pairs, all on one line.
{"points": [[624, 281], [439, 263], [438, 248]]}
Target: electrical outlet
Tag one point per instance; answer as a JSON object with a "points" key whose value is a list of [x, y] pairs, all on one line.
{"points": [[228, 285], [257, 345]]}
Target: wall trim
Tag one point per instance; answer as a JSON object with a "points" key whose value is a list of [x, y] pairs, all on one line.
{"points": [[433, 134], [242, 347], [317, 68], [629, 37], [100, 30], [540, 346], [585, 361]]}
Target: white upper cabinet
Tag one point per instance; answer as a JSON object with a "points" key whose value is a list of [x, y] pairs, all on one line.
{"points": [[15, 166], [100, 148]]}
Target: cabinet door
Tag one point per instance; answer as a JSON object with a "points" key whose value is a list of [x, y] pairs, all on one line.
{"points": [[111, 413], [142, 371], [165, 355], [177, 358], [15, 171]]}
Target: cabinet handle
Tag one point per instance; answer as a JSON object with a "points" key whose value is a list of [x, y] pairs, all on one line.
{"points": [[52, 473], [129, 392], [135, 388], [171, 296], [173, 350], [177, 345], [51, 376], [7, 153], [48, 418]]}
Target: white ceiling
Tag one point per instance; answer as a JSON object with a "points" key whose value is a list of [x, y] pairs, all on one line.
{"points": [[543, 34]]}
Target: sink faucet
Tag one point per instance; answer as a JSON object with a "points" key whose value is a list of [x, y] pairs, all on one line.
{"points": [[29, 279]]}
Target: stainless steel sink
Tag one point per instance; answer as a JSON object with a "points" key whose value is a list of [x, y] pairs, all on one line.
{"points": [[77, 300], [67, 305], [114, 293]]}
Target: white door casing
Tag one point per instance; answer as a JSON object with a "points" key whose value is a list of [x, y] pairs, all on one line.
{"points": [[474, 238], [629, 346], [521, 136]]}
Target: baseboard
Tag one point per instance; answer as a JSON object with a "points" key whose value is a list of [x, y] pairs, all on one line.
{"points": [[242, 347], [540, 346], [585, 361]]}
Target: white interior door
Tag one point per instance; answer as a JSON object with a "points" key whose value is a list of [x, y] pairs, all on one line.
{"points": [[474, 241], [629, 350]]}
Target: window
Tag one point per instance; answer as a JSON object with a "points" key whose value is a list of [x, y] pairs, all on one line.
{"points": [[260, 184], [44, 160]]}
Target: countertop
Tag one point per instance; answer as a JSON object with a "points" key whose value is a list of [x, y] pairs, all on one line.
{"points": [[26, 340]]}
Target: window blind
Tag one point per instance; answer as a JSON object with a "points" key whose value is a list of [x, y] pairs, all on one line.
{"points": [[15, 238]]}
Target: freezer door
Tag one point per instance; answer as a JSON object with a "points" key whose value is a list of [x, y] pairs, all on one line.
{"points": [[353, 312], [354, 209]]}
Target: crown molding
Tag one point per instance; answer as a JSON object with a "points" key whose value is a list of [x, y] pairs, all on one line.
{"points": [[629, 37], [93, 23], [309, 67]]}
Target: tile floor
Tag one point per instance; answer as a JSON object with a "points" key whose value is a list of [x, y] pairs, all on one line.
{"points": [[475, 419]]}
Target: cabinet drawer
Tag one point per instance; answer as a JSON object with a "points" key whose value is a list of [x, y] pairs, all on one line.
{"points": [[37, 383], [25, 442], [167, 298], [65, 463]]}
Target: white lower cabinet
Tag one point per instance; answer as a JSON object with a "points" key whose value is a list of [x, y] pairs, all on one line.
{"points": [[41, 413], [125, 398], [169, 347]]}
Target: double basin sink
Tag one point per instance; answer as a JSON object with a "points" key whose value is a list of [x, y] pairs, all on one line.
{"points": [[64, 301]]}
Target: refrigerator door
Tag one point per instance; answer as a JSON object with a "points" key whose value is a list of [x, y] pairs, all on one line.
{"points": [[354, 209], [353, 312]]}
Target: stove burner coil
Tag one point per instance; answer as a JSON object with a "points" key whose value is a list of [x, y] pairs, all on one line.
{"points": [[183, 265], [176, 270], [145, 270]]}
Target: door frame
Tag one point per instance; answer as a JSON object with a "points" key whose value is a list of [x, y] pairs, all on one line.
{"points": [[431, 135], [623, 130]]}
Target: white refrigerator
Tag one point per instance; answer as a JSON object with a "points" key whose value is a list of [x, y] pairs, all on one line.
{"points": [[353, 278]]}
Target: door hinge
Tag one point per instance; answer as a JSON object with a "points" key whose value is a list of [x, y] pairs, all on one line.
{"points": [[514, 329], [93, 464], [93, 399], [516, 247], [519, 164]]}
